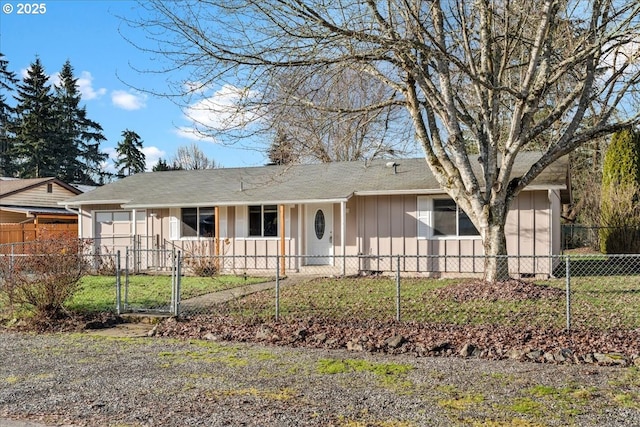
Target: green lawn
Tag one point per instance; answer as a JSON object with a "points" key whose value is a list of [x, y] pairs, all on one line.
{"points": [[597, 302], [98, 293]]}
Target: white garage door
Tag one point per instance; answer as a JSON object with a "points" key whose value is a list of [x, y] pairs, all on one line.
{"points": [[113, 231]]}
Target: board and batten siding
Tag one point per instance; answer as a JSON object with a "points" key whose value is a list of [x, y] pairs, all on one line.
{"points": [[389, 225]]}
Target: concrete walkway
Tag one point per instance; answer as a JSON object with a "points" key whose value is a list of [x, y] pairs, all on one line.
{"points": [[196, 304]]}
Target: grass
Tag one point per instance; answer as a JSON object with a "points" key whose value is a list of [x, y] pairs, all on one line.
{"points": [[98, 293], [597, 302]]}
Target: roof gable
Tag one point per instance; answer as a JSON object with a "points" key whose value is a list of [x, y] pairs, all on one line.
{"points": [[12, 186]]}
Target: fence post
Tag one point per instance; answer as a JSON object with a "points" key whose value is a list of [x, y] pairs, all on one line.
{"points": [[126, 279], [118, 284], [11, 261], [277, 293], [176, 305], [398, 289], [568, 290], [173, 282]]}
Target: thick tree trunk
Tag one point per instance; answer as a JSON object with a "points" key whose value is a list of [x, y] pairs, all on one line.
{"points": [[496, 263]]}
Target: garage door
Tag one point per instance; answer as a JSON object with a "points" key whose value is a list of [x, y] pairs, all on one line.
{"points": [[113, 231]]}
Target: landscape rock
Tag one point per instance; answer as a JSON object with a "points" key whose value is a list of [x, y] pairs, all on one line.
{"points": [[395, 341], [354, 345], [467, 350]]}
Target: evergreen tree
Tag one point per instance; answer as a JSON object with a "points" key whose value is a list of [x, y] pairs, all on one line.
{"points": [[33, 152], [163, 166], [7, 82], [620, 199], [130, 159], [281, 151], [79, 138]]}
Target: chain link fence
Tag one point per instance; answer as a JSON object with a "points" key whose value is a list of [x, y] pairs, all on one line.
{"points": [[576, 291]]}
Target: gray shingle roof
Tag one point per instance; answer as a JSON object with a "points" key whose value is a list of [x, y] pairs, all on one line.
{"points": [[286, 184]]}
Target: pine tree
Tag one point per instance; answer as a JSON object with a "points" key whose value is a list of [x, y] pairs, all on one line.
{"points": [[620, 199], [130, 159], [163, 166], [7, 82], [281, 151], [33, 152], [79, 138]]}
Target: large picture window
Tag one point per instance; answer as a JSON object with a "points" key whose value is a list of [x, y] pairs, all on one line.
{"points": [[443, 218], [263, 221], [197, 222]]}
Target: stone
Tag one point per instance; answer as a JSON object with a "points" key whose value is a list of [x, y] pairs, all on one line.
{"points": [[322, 337], [395, 341], [440, 346], [467, 350], [516, 354], [354, 345], [610, 359], [263, 333], [211, 337], [534, 354]]}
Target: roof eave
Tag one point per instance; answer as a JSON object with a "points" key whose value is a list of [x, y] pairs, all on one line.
{"points": [[95, 202], [233, 203]]}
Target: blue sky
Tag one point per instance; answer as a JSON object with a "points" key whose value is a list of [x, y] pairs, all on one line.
{"points": [[86, 33]]}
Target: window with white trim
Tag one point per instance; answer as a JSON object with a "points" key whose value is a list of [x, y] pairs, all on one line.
{"points": [[197, 222], [442, 217], [263, 221]]}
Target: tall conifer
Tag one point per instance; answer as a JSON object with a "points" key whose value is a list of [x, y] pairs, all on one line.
{"points": [[7, 81], [130, 159], [79, 138], [33, 153]]}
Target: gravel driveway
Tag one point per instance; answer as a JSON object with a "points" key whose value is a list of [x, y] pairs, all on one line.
{"points": [[82, 380]]}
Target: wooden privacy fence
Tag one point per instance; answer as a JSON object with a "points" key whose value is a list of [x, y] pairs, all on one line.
{"points": [[17, 233]]}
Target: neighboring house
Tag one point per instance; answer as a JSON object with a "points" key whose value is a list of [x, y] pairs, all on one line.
{"points": [[26, 204], [315, 214]]}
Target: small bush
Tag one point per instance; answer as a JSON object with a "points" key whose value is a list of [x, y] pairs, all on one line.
{"points": [[200, 260], [47, 275]]}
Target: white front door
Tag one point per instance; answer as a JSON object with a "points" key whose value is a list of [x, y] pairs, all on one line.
{"points": [[319, 234]]}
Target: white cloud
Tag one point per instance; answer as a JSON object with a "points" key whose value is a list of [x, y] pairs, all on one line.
{"points": [[85, 85], [224, 110], [193, 134], [128, 100], [151, 156]]}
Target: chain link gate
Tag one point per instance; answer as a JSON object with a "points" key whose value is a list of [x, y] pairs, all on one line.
{"points": [[135, 289]]}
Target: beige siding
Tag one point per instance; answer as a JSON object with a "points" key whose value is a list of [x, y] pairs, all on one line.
{"points": [[383, 220], [38, 196], [377, 227]]}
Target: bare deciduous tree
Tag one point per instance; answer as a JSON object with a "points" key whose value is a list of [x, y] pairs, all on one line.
{"points": [[325, 115], [484, 77], [191, 157]]}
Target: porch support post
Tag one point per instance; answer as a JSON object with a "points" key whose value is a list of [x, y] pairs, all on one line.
{"points": [[343, 231], [282, 246], [216, 232], [299, 252]]}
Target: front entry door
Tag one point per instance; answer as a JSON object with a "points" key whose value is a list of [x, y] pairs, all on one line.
{"points": [[319, 234]]}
